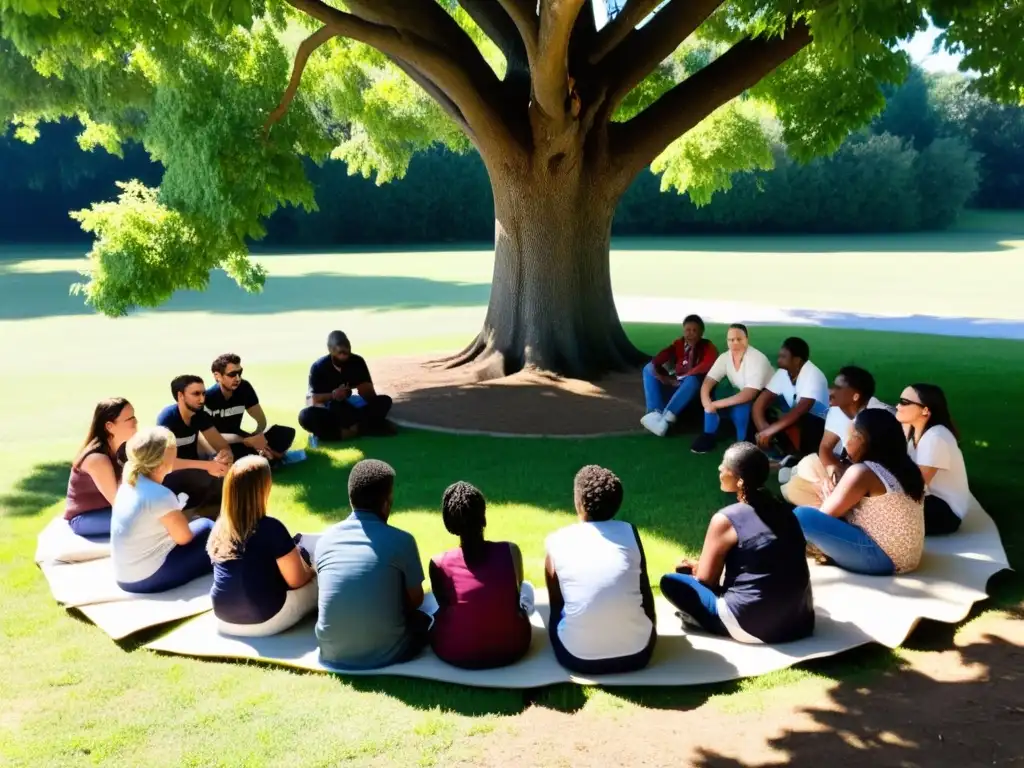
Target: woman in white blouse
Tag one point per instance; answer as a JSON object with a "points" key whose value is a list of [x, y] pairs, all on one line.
{"points": [[748, 371], [932, 442]]}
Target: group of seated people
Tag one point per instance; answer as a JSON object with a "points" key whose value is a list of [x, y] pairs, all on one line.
{"points": [[805, 425], [870, 483]]}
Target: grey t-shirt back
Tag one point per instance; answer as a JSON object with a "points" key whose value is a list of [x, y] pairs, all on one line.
{"points": [[364, 567]]}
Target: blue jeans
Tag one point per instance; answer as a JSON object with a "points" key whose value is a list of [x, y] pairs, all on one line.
{"points": [[95, 524], [697, 603], [182, 564], [849, 546], [656, 394], [740, 415]]}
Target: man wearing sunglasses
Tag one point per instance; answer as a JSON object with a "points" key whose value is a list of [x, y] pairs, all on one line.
{"points": [[341, 402], [231, 397]]}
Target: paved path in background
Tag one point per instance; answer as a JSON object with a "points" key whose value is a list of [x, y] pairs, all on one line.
{"points": [[650, 309]]}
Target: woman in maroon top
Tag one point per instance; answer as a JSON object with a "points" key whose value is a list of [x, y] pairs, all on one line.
{"points": [[95, 472], [480, 622]]}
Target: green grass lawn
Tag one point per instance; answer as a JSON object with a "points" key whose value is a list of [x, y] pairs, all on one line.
{"points": [[70, 696]]}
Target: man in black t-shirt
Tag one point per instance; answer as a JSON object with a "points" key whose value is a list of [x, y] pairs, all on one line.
{"points": [[341, 401], [200, 478], [231, 397]]}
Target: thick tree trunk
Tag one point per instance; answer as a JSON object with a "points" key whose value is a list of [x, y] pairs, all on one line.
{"points": [[551, 307]]}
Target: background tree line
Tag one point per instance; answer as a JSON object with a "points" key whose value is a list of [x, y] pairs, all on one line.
{"points": [[937, 148]]}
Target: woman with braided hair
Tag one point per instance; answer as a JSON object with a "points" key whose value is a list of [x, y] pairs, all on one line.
{"points": [[483, 603], [765, 595]]}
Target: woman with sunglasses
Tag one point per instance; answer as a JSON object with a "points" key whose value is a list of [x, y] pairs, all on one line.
{"points": [[932, 442], [873, 522]]}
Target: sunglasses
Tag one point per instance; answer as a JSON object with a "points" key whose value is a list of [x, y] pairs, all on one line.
{"points": [[904, 402], [234, 374]]}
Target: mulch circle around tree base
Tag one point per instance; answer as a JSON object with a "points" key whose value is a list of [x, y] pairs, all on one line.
{"points": [[525, 404]]}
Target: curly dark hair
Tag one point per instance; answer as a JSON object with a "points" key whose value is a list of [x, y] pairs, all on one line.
{"points": [[221, 363], [599, 492], [369, 484], [463, 509]]}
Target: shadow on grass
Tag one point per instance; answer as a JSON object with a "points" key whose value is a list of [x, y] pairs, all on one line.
{"points": [[25, 295], [44, 485], [911, 718]]}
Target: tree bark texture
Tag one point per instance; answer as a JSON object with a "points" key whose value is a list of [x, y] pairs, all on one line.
{"points": [[551, 306]]}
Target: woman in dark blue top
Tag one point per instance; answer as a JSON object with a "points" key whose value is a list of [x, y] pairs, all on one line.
{"points": [[262, 581], [765, 596]]}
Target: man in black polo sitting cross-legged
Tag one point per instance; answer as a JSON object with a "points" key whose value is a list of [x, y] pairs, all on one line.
{"points": [[341, 402]]}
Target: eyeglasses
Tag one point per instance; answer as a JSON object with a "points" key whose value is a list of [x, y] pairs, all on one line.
{"points": [[234, 374], [904, 402]]}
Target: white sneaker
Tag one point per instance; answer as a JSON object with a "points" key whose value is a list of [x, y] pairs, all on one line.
{"points": [[655, 423], [785, 475], [669, 417]]}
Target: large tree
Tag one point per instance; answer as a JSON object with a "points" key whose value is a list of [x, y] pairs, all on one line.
{"points": [[231, 95]]}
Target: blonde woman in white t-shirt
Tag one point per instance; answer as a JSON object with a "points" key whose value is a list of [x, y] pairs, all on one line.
{"points": [[748, 371], [933, 443]]}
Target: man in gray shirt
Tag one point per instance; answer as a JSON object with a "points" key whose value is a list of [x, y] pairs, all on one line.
{"points": [[370, 580]]}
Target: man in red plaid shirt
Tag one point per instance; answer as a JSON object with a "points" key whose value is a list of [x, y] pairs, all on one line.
{"points": [[674, 376]]}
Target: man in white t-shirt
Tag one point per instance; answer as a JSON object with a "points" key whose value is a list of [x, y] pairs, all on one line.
{"points": [[817, 474], [789, 414], [748, 371]]}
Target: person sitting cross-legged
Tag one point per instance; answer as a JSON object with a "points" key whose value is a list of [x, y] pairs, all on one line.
{"points": [[96, 471], [153, 546], [790, 412], [816, 475], [482, 618], [371, 580], [873, 522], [200, 479], [602, 618], [933, 443], [341, 402], [667, 394], [748, 371], [262, 582], [751, 582], [228, 399]]}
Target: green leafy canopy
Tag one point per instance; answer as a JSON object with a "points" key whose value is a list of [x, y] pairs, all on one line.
{"points": [[193, 81]]}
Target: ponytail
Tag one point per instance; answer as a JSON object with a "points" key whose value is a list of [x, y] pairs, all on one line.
{"points": [[146, 450]]}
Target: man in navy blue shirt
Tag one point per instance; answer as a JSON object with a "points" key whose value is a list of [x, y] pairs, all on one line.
{"points": [[341, 401], [201, 479], [231, 397]]}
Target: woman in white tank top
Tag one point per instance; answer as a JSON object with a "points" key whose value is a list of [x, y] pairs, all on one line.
{"points": [[602, 608]]}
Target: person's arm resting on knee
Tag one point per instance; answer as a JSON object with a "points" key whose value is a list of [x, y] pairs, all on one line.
{"points": [[294, 570], [766, 431], [177, 526], [856, 483], [719, 539]]}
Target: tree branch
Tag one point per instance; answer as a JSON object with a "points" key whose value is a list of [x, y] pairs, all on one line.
{"points": [[642, 50], [524, 15], [439, 50], [306, 49], [637, 143], [450, 107], [551, 69], [616, 30], [499, 25]]}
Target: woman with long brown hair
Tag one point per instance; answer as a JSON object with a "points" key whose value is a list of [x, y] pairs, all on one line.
{"points": [[95, 472], [262, 581]]}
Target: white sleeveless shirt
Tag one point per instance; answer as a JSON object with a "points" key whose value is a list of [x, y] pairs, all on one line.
{"points": [[598, 569]]}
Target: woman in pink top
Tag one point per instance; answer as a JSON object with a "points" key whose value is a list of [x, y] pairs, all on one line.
{"points": [[95, 472], [481, 621]]}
